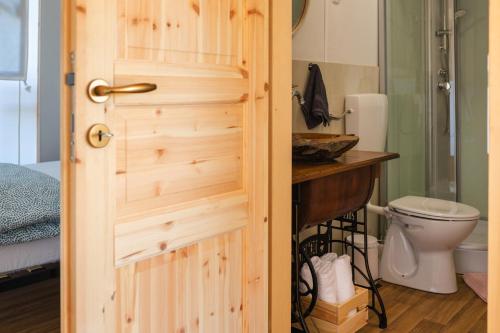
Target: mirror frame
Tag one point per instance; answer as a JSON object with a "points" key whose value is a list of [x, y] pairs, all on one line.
{"points": [[296, 26]]}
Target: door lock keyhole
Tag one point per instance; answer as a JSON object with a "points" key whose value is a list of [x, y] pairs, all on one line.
{"points": [[103, 135], [99, 136]]}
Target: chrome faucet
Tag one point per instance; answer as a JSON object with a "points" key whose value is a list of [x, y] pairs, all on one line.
{"points": [[298, 95], [445, 86]]}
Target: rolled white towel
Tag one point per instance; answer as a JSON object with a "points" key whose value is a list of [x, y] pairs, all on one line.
{"points": [[329, 257], [306, 275], [345, 286], [327, 282]]}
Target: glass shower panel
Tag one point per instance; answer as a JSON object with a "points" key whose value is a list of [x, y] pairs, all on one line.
{"points": [[406, 90], [472, 78]]}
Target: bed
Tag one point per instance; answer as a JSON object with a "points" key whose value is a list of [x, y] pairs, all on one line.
{"points": [[31, 255]]}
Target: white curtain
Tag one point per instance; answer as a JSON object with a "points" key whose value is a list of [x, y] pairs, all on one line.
{"points": [[13, 39]]}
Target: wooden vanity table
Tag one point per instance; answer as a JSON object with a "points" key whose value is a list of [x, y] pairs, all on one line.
{"points": [[327, 192]]}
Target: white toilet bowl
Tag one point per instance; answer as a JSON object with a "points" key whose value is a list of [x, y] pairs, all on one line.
{"points": [[418, 249]]}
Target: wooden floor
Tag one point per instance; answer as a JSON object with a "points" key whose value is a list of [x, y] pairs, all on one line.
{"points": [[415, 311], [35, 309], [32, 309]]}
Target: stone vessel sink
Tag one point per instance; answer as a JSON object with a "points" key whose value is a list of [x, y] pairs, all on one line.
{"points": [[317, 147]]}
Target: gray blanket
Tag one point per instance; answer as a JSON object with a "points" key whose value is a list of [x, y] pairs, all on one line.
{"points": [[29, 205]]}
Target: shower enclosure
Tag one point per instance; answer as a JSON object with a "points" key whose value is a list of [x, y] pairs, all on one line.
{"points": [[436, 82]]}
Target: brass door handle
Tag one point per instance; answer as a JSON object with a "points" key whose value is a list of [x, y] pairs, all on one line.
{"points": [[99, 91]]}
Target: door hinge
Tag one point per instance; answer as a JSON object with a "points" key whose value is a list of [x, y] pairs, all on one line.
{"points": [[70, 79]]}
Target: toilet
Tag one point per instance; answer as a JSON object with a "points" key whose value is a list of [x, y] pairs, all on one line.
{"points": [[421, 240], [472, 255], [424, 232]]}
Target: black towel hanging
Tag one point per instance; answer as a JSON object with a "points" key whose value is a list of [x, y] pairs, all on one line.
{"points": [[315, 107]]}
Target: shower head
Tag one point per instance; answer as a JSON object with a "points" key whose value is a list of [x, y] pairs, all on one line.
{"points": [[460, 13]]}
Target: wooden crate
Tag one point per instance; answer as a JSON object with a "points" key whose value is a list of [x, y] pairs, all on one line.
{"points": [[327, 317], [351, 325]]}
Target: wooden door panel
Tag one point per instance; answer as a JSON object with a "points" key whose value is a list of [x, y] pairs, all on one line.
{"points": [[189, 139], [188, 289], [170, 155], [149, 236], [173, 31]]}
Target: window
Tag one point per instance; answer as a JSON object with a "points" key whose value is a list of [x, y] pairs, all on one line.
{"points": [[13, 39]]}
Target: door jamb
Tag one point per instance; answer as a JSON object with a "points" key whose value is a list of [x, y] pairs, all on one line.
{"points": [[66, 102], [494, 171], [280, 232]]}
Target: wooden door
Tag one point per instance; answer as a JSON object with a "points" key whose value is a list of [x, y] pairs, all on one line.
{"points": [[165, 228]]}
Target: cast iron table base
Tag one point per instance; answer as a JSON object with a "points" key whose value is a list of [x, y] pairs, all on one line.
{"points": [[321, 243]]}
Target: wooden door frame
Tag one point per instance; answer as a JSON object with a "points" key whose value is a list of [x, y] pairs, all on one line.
{"points": [[280, 232], [494, 170], [280, 166], [279, 155], [67, 171]]}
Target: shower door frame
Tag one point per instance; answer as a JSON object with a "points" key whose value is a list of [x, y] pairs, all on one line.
{"points": [[433, 96]]}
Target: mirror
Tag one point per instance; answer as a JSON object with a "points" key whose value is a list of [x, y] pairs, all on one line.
{"points": [[299, 8]]}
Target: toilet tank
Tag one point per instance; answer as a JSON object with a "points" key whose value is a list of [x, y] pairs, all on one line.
{"points": [[367, 118]]}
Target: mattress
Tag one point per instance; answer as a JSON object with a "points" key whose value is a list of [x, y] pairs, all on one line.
{"points": [[25, 255], [52, 169], [44, 251]]}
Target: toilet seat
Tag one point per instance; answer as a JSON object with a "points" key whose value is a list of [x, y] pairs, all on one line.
{"points": [[434, 209]]}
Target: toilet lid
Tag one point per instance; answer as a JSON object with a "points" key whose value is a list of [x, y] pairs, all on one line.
{"points": [[435, 208]]}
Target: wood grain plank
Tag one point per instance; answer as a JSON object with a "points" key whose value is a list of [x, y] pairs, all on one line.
{"points": [[159, 234], [302, 171], [195, 280], [257, 235], [463, 321], [409, 309], [200, 31], [280, 168], [452, 304], [34, 308], [427, 326], [481, 325], [184, 90], [90, 257]]}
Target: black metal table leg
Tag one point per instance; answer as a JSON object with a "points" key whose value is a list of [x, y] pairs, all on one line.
{"points": [[382, 315], [320, 244], [297, 306]]}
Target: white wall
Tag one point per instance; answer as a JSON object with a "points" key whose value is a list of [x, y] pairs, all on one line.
{"points": [[48, 126], [339, 31]]}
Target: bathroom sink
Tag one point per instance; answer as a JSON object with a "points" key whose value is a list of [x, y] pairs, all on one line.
{"points": [[317, 147]]}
